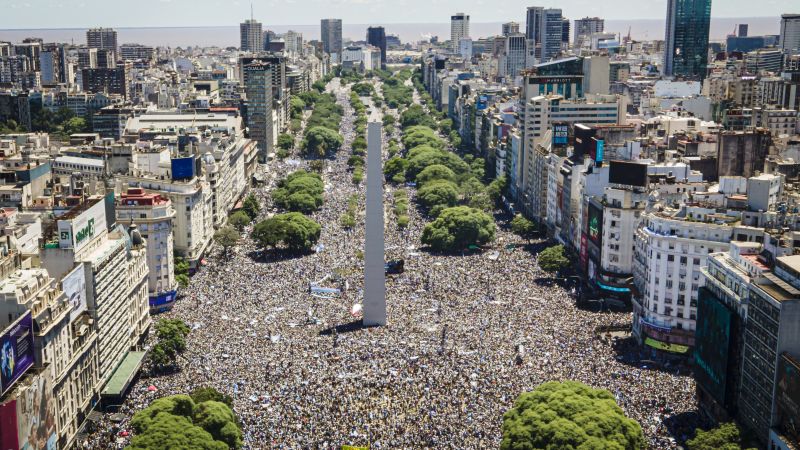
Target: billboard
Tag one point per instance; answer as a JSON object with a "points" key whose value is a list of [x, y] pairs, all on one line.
{"points": [[712, 341], [77, 232], [36, 415], [182, 168], [74, 287], [16, 351], [627, 173], [560, 135], [164, 301], [600, 150], [787, 397], [595, 225]]}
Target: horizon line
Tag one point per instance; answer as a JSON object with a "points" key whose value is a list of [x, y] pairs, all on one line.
{"points": [[343, 23]]}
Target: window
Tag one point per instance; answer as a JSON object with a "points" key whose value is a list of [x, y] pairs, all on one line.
{"points": [[670, 258]]}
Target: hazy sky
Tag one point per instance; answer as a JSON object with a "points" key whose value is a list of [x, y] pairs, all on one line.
{"points": [[171, 13]]}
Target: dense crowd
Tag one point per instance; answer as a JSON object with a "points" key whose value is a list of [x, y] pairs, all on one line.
{"points": [[466, 335]]}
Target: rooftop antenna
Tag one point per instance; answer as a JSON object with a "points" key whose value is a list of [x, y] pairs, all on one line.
{"points": [[252, 17]]}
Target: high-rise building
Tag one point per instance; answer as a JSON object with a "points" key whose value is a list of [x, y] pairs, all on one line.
{"points": [[258, 88], [686, 40], [134, 52], [510, 28], [552, 33], [104, 38], [584, 28], [294, 42], [376, 36], [110, 81], [743, 30], [251, 36], [515, 56], [331, 32], [533, 21], [565, 30], [459, 29], [790, 33]]}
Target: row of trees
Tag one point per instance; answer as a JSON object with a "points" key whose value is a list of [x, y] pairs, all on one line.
{"points": [[395, 92], [202, 421], [322, 129]]}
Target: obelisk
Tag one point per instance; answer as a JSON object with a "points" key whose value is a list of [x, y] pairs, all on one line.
{"points": [[374, 264]]}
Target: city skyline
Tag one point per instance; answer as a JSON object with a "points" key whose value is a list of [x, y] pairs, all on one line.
{"points": [[90, 13]]}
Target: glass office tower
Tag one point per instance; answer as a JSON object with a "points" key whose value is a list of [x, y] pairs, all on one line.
{"points": [[686, 52]]}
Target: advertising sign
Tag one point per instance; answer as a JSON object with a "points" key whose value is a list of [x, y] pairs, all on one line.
{"points": [[560, 135], [584, 251], [77, 232], [712, 340], [787, 397], [16, 351], [182, 168], [163, 301], [36, 416], [627, 173], [600, 150], [595, 225], [74, 286]]}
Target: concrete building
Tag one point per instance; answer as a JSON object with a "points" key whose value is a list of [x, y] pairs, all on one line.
{"points": [[517, 56], [260, 123], [153, 215], [251, 36], [742, 153], [790, 34], [459, 29], [772, 329], [671, 248], [135, 52], [102, 38], [331, 35], [585, 28], [510, 28], [110, 81]]}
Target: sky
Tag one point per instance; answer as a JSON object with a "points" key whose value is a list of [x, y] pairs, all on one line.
{"points": [[25, 14]]}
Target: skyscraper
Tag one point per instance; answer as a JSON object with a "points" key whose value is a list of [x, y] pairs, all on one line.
{"points": [[565, 28], [331, 32], [510, 28], [258, 88], [533, 22], [251, 36], [584, 28], [102, 38], [790, 33], [376, 36], [545, 27], [686, 40], [459, 29]]}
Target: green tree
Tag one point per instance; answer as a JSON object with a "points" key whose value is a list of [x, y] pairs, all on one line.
{"points": [[182, 272], [419, 135], [395, 166], [204, 394], [239, 220], [569, 415], [553, 259], [523, 227], [301, 191], [438, 193], [293, 230], [457, 228], [320, 141], [727, 436], [226, 237], [178, 422], [74, 125], [421, 157], [497, 189], [416, 115], [285, 141], [251, 207], [446, 126], [296, 107], [171, 341], [435, 172]]}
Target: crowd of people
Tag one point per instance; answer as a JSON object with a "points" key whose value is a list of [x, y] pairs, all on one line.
{"points": [[466, 335]]}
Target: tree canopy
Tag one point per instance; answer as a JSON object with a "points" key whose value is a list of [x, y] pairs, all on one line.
{"points": [[569, 415], [178, 422], [251, 207], [293, 230], [727, 436], [420, 135], [239, 220], [522, 226], [301, 191], [226, 237], [171, 341], [439, 192], [421, 157], [435, 172], [416, 115], [553, 259], [459, 227], [321, 141]]}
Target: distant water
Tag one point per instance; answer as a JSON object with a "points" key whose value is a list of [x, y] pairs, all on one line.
{"points": [[225, 36]]}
